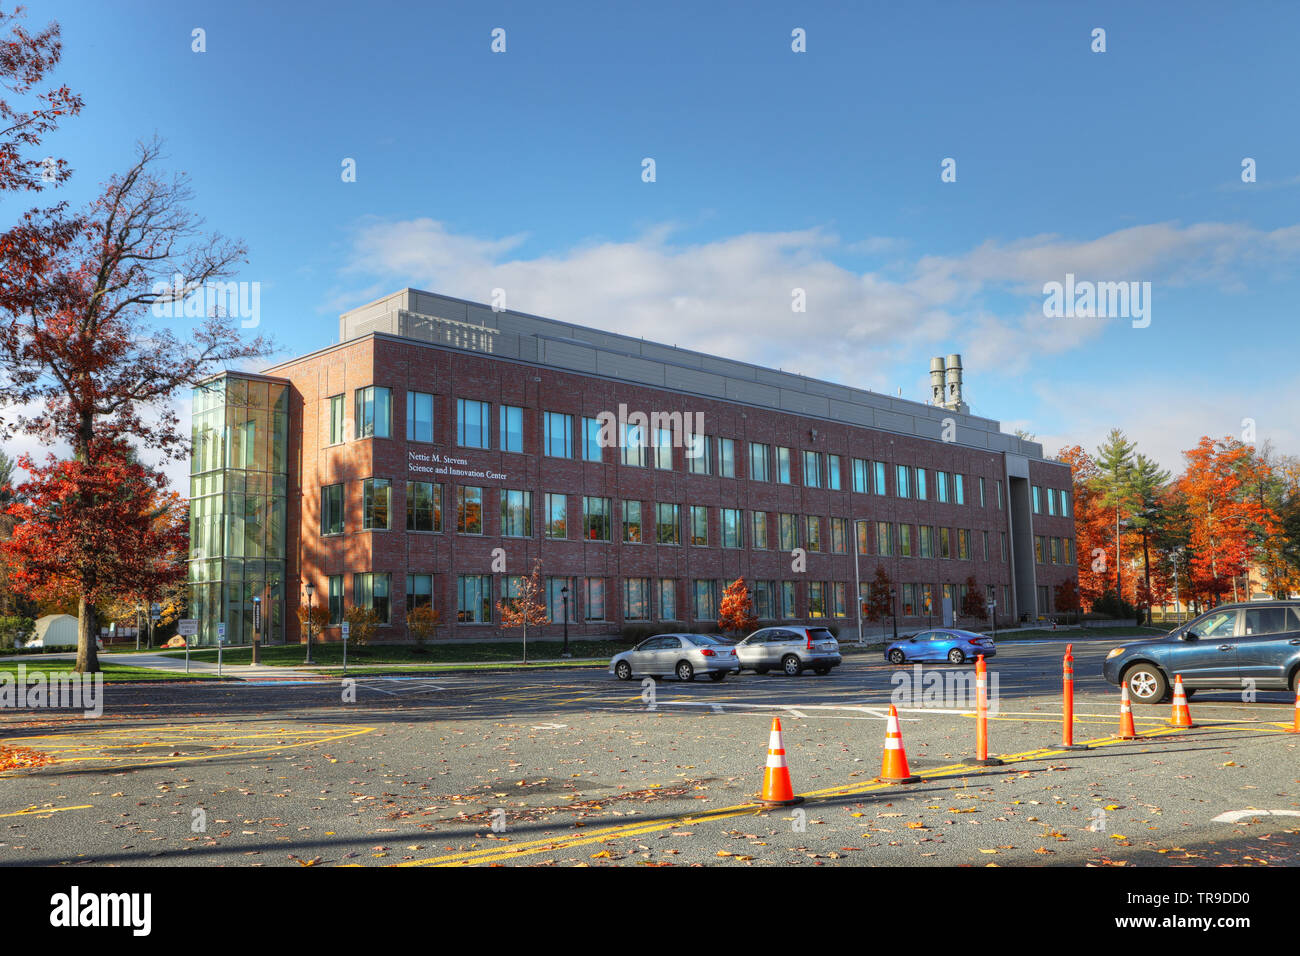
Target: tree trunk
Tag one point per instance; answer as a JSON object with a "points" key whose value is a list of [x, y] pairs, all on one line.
{"points": [[87, 632], [1146, 562]]}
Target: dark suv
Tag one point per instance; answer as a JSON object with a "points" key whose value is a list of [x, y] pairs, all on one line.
{"points": [[1223, 649]]}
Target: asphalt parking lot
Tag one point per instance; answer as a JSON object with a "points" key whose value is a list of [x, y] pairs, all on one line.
{"points": [[571, 767]]}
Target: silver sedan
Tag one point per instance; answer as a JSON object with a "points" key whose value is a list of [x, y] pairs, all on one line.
{"points": [[682, 654]]}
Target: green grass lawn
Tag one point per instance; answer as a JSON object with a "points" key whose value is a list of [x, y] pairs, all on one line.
{"points": [[332, 654], [113, 673]]}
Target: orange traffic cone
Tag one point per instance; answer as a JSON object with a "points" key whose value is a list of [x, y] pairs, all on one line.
{"points": [[893, 768], [1182, 716], [1295, 728], [1126, 729], [777, 791]]}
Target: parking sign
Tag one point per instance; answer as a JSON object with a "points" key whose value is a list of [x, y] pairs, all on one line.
{"points": [[346, 627], [187, 626], [221, 632]]}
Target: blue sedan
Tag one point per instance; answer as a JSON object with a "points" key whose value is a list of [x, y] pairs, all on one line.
{"points": [[942, 644]]}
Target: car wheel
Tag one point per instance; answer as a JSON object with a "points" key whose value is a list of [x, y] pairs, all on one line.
{"points": [[1146, 684], [623, 670], [896, 656], [823, 671], [792, 665], [685, 671], [1295, 681], [716, 676], [955, 656]]}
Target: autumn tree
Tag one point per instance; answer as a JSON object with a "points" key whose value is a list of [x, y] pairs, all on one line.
{"points": [[1066, 597], [315, 616], [972, 602], [1226, 521], [1090, 523], [87, 367], [879, 604], [527, 606], [362, 623], [736, 610], [422, 622]]}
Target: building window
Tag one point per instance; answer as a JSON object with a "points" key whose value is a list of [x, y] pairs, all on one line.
{"points": [[959, 489], [726, 458], [595, 519], [878, 478], [963, 544], [636, 599], [922, 485], [517, 514], [861, 475], [371, 590], [786, 528], [419, 416], [927, 541], [758, 462], [667, 599], [1065, 505], [1067, 549], [901, 475], [376, 497], [557, 440], [1038, 504], [337, 435], [783, 465], [697, 456], [469, 510], [981, 481], [884, 539], [1038, 549], [555, 598], [1004, 547], [904, 540], [374, 412], [663, 451], [758, 530], [729, 519], [331, 509], [668, 523], [945, 543], [839, 599], [997, 490], [813, 532], [591, 447], [816, 599], [862, 531], [423, 506], [909, 600], [942, 478], [335, 591], [472, 423], [419, 591], [789, 610], [764, 600], [512, 428], [557, 515], [1044, 600], [839, 535], [635, 442], [593, 599], [706, 605], [632, 522], [699, 525], [1056, 550], [474, 599], [833, 472], [812, 472], [986, 545]]}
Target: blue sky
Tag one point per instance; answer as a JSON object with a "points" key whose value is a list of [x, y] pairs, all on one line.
{"points": [[775, 170]]}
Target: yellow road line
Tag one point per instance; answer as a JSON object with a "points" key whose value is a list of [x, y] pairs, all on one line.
{"points": [[38, 811]]}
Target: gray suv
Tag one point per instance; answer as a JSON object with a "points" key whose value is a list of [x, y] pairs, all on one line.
{"points": [[792, 649]]}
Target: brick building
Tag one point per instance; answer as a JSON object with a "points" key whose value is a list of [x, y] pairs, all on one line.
{"points": [[440, 449]]}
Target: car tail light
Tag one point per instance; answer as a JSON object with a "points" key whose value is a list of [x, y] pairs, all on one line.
{"points": [[809, 647], [706, 652]]}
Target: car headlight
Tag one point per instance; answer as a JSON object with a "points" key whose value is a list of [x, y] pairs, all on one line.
{"points": [[1116, 652]]}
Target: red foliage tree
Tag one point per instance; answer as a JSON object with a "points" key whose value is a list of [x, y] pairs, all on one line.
{"points": [[1093, 524], [95, 529], [736, 610]]}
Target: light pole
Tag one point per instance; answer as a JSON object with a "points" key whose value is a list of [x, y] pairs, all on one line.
{"points": [[564, 593], [310, 589], [893, 607], [857, 579], [257, 628], [139, 612]]}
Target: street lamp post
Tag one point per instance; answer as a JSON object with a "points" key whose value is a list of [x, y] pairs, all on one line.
{"points": [[139, 613], [257, 628], [564, 593], [310, 589], [893, 607], [857, 578]]}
